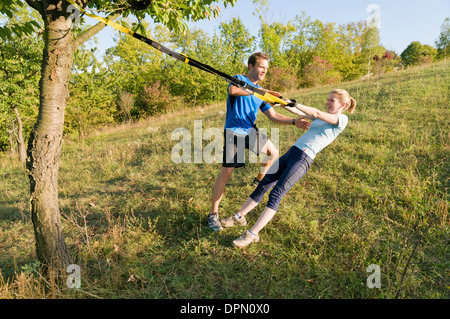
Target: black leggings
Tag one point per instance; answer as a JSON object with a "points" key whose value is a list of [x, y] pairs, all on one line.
{"points": [[285, 172]]}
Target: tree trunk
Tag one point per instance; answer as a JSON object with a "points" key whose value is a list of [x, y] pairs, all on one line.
{"points": [[44, 147], [20, 141]]}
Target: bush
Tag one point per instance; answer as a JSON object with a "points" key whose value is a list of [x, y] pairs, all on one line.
{"points": [[388, 61], [281, 80], [154, 99], [125, 104], [417, 54], [320, 71], [90, 104]]}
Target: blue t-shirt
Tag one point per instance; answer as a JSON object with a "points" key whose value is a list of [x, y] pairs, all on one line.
{"points": [[243, 110], [319, 135]]}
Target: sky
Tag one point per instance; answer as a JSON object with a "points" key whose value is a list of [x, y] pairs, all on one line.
{"points": [[400, 21]]}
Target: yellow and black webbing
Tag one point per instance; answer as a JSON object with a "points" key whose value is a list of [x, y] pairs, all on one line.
{"points": [[261, 94]]}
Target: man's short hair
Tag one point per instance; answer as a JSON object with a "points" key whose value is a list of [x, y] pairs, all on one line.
{"points": [[257, 56]]}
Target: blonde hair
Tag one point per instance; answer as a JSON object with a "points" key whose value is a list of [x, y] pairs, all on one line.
{"points": [[343, 96]]}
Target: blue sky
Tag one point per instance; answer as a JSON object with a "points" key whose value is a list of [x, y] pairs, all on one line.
{"points": [[401, 21]]}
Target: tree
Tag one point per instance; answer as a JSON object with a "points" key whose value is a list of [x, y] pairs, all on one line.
{"points": [[193, 85], [90, 103], [348, 48], [130, 62], [238, 36], [369, 48], [20, 58], [360, 43], [417, 53], [132, 65], [443, 43], [275, 37], [19, 27], [44, 148]]}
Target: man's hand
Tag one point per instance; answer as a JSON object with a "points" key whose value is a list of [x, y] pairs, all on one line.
{"points": [[302, 123], [274, 93]]}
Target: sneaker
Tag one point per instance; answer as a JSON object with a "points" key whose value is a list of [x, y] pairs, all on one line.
{"points": [[246, 239], [233, 220], [214, 223]]}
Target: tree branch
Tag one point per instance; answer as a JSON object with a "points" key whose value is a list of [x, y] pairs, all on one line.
{"points": [[86, 35], [36, 4]]}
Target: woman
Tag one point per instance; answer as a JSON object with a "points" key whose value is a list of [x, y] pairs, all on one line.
{"points": [[294, 164]]}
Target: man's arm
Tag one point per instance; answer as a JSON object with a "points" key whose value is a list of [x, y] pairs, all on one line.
{"points": [[235, 91], [282, 119]]}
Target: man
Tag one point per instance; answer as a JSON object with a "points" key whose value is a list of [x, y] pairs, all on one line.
{"points": [[241, 131]]}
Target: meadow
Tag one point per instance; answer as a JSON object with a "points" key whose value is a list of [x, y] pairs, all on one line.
{"points": [[135, 221]]}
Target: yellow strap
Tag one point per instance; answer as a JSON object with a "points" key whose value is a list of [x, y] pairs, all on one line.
{"points": [[105, 21], [270, 98], [186, 58]]}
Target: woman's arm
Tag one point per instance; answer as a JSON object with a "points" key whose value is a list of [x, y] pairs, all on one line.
{"points": [[282, 119], [317, 114], [295, 110]]}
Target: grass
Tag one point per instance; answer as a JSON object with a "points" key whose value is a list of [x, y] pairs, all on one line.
{"points": [[135, 221]]}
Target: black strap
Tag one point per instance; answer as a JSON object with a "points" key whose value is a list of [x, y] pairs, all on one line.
{"points": [[183, 58]]}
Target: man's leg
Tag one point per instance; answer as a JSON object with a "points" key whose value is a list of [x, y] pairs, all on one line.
{"points": [[219, 187], [218, 190], [271, 154]]}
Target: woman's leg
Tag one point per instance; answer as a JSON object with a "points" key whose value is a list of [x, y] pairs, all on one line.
{"points": [[263, 220], [247, 207], [275, 172], [255, 198], [298, 165]]}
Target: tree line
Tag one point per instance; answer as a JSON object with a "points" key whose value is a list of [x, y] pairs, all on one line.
{"points": [[133, 80]]}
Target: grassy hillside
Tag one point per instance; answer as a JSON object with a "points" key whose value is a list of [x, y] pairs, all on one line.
{"points": [[135, 221]]}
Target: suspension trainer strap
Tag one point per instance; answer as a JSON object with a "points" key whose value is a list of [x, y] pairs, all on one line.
{"points": [[259, 93]]}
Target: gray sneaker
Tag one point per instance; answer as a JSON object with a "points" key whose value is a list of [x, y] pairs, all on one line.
{"points": [[213, 222], [233, 220], [246, 239]]}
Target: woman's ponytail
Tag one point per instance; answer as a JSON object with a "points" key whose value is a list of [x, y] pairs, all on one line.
{"points": [[351, 107]]}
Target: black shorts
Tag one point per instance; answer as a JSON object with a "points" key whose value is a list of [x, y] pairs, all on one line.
{"points": [[235, 145]]}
